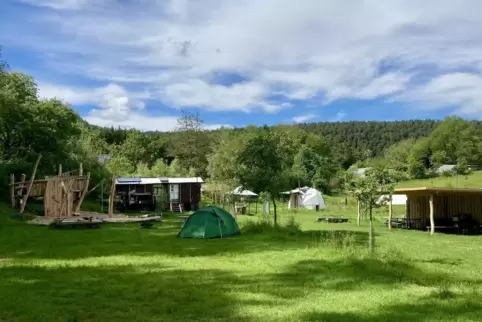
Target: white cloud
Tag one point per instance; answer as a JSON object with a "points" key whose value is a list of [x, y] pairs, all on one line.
{"points": [[310, 50], [116, 107], [303, 118], [338, 117], [462, 91]]}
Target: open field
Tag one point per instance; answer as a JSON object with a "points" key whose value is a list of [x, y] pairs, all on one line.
{"points": [[124, 273]]}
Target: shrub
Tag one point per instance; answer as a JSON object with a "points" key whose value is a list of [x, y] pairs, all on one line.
{"points": [[264, 224]]}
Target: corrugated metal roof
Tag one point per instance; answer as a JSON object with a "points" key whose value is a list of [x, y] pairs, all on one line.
{"points": [[186, 180], [158, 180]]}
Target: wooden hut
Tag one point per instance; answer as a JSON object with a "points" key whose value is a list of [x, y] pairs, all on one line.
{"points": [[179, 194], [456, 210]]}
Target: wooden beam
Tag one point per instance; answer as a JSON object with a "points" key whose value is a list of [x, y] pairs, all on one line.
{"points": [[32, 179], [111, 198], [390, 212], [60, 169], [84, 193], [12, 191], [432, 221], [81, 169], [358, 213]]}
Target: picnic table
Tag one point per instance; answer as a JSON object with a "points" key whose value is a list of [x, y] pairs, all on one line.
{"points": [[333, 219]]}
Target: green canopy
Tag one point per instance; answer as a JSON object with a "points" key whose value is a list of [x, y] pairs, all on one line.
{"points": [[209, 222]]}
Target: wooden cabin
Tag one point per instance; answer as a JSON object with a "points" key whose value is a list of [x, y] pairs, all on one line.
{"points": [[176, 194], [451, 210]]}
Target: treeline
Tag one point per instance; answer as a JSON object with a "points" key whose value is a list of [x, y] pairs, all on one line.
{"points": [[315, 154]]}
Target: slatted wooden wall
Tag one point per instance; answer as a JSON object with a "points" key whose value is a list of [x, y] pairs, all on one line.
{"points": [[445, 207]]}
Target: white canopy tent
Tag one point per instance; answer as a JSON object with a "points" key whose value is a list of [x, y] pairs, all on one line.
{"points": [[244, 193]]}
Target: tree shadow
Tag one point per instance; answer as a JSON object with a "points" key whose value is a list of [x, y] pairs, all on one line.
{"points": [[134, 293], [466, 307]]}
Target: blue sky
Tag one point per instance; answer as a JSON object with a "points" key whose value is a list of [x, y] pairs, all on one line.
{"points": [[249, 62]]}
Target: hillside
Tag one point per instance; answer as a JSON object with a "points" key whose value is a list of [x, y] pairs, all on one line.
{"points": [[473, 180]]}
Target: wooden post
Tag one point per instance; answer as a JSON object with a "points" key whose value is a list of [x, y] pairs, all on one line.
{"points": [[111, 198], [32, 179], [60, 169], [432, 221], [358, 214], [81, 169], [12, 190], [390, 212], [84, 193]]}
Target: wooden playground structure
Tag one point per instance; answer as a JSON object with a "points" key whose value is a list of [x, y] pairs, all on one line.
{"points": [[62, 194]]}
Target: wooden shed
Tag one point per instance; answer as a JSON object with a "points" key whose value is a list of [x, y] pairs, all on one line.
{"points": [[456, 210], [178, 194]]}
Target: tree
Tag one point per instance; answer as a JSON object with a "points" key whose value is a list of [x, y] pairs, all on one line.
{"points": [[367, 190], [222, 161], [190, 143], [453, 139], [262, 166], [397, 155], [419, 158]]}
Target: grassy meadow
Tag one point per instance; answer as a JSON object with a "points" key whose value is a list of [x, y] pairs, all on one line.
{"points": [[302, 271]]}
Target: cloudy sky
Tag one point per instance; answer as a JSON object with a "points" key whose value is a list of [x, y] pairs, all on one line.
{"points": [[137, 63]]}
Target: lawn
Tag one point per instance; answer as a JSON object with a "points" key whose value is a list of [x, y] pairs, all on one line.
{"points": [[321, 273]]}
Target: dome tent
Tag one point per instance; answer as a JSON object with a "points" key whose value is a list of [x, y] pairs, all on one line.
{"points": [[209, 222], [313, 199]]}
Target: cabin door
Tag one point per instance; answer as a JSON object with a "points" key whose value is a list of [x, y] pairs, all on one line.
{"points": [[174, 191]]}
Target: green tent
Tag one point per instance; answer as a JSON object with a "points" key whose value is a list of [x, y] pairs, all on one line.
{"points": [[209, 222]]}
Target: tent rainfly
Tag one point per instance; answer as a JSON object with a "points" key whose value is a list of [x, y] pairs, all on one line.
{"points": [[209, 222]]}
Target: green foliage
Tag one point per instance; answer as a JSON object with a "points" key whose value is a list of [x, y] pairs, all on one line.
{"points": [[367, 189]]}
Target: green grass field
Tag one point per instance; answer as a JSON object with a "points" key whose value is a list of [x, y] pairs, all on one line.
{"points": [[320, 272]]}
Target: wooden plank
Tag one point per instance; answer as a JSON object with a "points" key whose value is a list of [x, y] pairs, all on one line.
{"points": [[84, 193], [390, 212], [25, 197], [13, 200], [432, 222], [111, 198]]}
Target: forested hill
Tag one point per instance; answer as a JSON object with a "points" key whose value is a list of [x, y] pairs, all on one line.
{"points": [[358, 137]]}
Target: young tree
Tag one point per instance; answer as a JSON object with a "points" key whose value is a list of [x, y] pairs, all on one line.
{"points": [[190, 143], [367, 189], [261, 165]]}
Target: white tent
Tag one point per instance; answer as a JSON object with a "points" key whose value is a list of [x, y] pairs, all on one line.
{"points": [[313, 199], [396, 199], [308, 198]]}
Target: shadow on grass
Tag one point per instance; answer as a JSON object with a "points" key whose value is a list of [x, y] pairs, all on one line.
{"points": [[117, 294], [466, 307], [352, 273]]}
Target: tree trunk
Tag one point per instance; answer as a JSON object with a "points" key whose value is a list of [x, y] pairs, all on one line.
{"points": [[371, 233], [275, 214]]}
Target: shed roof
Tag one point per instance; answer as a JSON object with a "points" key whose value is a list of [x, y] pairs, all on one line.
{"points": [[437, 190], [122, 181]]}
